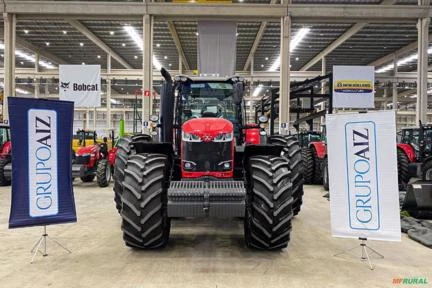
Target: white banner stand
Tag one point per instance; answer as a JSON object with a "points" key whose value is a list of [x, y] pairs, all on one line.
{"points": [[43, 242], [361, 138]]}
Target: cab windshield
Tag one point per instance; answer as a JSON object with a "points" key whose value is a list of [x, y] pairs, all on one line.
{"points": [[208, 99]]}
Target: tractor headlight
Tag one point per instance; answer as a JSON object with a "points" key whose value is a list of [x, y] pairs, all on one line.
{"points": [[190, 137], [223, 137]]}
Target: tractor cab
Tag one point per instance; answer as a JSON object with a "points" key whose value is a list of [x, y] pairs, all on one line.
{"points": [[5, 155]]}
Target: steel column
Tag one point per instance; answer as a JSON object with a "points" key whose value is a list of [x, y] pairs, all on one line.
{"points": [[108, 93], [147, 67], [323, 85], [36, 82], [422, 67], [9, 60], [395, 91], [284, 94]]}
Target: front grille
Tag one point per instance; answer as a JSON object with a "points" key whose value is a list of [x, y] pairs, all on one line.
{"points": [[207, 156], [82, 159]]}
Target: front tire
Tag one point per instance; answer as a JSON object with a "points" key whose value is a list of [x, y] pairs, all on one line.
{"points": [[427, 171], [145, 222], [402, 164], [103, 173], [325, 176], [308, 166], [268, 203]]}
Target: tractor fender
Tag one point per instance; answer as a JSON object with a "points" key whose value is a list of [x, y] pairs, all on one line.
{"points": [[408, 150], [111, 156], [252, 136], [6, 149], [154, 148], [320, 149], [263, 150]]}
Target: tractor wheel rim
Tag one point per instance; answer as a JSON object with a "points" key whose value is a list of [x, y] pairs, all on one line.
{"points": [[429, 174]]}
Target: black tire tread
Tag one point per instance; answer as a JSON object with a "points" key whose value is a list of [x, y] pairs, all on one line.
{"points": [[145, 224], [325, 177], [317, 174], [293, 153], [124, 150], [101, 173], [402, 165], [308, 165], [269, 203]]}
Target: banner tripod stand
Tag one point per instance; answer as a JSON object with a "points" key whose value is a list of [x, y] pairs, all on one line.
{"points": [[43, 242], [364, 252]]}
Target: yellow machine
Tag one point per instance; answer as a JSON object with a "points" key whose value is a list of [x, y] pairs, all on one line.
{"points": [[84, 138]]}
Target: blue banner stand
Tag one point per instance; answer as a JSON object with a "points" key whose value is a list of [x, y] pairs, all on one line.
{"points": [[41, 245]]}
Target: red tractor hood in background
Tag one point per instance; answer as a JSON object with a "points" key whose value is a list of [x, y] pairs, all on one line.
{"points": [[207, 127], [88, 150]]}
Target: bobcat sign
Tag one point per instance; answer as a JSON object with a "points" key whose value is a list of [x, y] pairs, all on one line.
{"points": [[364, 195], [80, 84]]}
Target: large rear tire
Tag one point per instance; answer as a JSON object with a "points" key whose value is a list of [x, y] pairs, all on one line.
{"points": [[293, 154], [145, 222], [124, 150], [308, 166], [103, 173], [4, 181], [268, 203], [402, 164]]}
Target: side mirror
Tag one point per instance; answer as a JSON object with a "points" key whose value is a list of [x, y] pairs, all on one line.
{"points": [[238, 93], [154, 118]]}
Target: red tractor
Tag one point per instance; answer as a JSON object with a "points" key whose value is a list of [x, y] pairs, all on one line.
{"points": [[94, 160], [5, 156], [314, 151], [206, 163], [414, 154]]}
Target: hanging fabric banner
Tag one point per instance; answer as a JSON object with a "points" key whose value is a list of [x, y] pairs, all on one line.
{"points": [[217, 48]]}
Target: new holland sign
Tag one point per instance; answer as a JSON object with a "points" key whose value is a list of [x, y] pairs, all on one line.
{"points": [[41, 162], [80, 84], [353, 86], [364, 195]]}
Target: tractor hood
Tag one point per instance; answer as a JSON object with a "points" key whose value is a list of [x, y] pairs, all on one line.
{"points": [[88, 150], [207, 127]]}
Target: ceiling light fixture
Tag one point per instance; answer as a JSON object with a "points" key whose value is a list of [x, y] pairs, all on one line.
{"points": [[64, 32], [401, 62], [111, 32], [81, 44], [293, 45], [123, 44], [158, 45], [139, 42], [257, 90], [136, 57], [47, 43], [98, 56], [31, 58], [26, 31]]}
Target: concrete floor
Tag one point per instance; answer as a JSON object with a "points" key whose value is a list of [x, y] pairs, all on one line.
{"points": [[200, 253]]}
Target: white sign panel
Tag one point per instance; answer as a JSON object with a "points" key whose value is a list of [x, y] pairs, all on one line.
{"points": [[364, 194], [80, 84], [353, 86], [43, 184]]}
